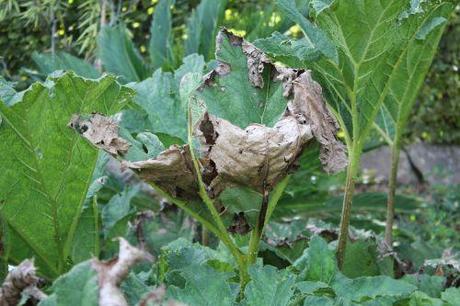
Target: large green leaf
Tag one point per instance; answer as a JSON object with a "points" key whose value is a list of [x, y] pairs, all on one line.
{"points": [[233, 97], [117, 209], [315, 39], [381, 44], [157, 95], [204, 286], [363, 259], [294, 53], [451, 296], [313, 300], [47, 168], [119, 55], [317, 262], [160, 45], [429, 284], [87, 242], [366, 34], [364, 288], [366, 201], [160, 98], [202, 27], [8, 94], [424, 29], [48, 63], [78, 287], [192, 63], [190, 277], [269, 286]]}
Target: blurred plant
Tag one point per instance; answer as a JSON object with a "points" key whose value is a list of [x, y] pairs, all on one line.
{"points": [[91, 19], [358, 69], [435, 115], [397, 105]]}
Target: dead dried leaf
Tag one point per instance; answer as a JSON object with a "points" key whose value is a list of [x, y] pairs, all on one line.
{"points": [[308, 105], [21, 279], [251, 156], [111, 273], [256, 156], [171, 170]]}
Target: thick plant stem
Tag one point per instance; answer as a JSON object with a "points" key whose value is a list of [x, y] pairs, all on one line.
{"points": [[256, 233], [395, 150], [224, 237], [53, 31], [352, 170], [221, 231], [204, 236], [267, 208]]}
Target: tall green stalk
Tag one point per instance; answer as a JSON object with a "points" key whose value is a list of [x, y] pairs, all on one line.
{"points": [[352, 171], [392, 180], [221, 231], [266, 210]]}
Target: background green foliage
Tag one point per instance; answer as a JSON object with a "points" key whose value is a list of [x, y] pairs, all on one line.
{"points": [[435, 117], [303, 233], [26, 26]]}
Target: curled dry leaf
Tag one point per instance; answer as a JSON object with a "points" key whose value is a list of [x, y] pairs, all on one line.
{"points": [[172, 170], [308, 106], [257, 156], [251, 157], [112, 273], [22, 279]]}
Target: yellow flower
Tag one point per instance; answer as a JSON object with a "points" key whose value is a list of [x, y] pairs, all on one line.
{"points": [[295, 30], [241, 33], [341, 134], [228, 14], [275, 18]]}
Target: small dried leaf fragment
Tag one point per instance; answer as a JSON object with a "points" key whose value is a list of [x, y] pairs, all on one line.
{"points": [[100, 131], [112, 273], [21, 279], [256, 60], [239, 225]]}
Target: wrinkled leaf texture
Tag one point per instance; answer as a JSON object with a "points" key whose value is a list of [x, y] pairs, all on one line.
{"points": [[379, 48], [47, 168], [425, 31]]}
